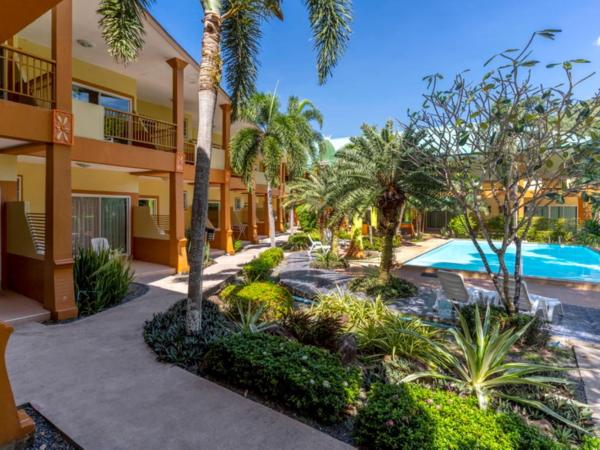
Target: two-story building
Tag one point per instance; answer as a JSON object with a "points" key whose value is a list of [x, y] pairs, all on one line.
{"points": [[90, 148]]}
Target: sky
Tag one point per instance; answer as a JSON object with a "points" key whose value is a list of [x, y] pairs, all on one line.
{"points": [[395, 43]]}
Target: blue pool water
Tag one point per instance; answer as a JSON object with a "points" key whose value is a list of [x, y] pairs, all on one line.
{"points": [[562, 262]]}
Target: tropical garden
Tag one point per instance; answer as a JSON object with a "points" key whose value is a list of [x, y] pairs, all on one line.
{"points": [[346, 361]]}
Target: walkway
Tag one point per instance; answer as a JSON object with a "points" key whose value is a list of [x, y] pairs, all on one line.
{"points": [[96, 380]]}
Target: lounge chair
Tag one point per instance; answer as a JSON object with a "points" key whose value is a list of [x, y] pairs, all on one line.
{"points": [[457, 292], [317, 246], [532, 303]]}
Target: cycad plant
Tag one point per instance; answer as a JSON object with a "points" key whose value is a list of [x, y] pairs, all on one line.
{"points": [[230, 42], [377, 169], [481, 365]]}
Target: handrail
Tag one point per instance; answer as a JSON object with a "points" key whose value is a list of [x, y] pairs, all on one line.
{"points": [[26, 78], [122, 126]]}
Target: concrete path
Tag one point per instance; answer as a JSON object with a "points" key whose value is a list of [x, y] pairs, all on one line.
{"points": [[98, 382], [588, 359]]}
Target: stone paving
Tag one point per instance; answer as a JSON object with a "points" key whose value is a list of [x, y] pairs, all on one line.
{"points": [[97, 381]]}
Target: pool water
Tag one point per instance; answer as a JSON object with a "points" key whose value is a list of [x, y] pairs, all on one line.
{"points": [[561, 262]]}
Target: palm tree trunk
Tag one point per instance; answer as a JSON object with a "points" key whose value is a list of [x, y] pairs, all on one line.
{"points": [[291, 219], [208, 82], [270, 214]]}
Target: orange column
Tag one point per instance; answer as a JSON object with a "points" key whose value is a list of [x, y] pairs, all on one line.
{"points": [[17, 426], [177, 242], [225, 219], [280, 224], [265, 217], [252, 226], [59, 296]]}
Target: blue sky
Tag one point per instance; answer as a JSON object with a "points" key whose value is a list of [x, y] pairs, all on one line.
{"points": [[395, 43]]}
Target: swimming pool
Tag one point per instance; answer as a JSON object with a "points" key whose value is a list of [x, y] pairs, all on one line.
{"points": [[561, 262]]}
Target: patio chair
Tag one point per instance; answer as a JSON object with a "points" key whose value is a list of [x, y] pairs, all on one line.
{"points": [[317, 246], [99, 244], [531, 303], [457, 292]]}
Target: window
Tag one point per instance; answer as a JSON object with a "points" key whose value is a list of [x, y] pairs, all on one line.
{"points": [[151, 203], [186, 201], [97, 97], [186, 131], [19, 188], [237, 204], [214, 213], [556, 212], [101, 217]]}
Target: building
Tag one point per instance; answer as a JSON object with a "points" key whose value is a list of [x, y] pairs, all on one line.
{"points": [[93, 149]]}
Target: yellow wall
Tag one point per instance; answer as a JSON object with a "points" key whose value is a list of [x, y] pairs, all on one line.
{"points": [[8, 168], [103, 181], [156, 187], [34, 176]]}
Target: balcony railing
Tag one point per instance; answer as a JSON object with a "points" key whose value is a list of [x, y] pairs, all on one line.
{"points": [[161, 221], [189, 148], [37, 228], [128, 128], [26, 78]]}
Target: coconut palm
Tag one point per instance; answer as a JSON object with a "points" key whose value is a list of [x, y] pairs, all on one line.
{"points": [[374, 170], [273, 138], [230, 42]]}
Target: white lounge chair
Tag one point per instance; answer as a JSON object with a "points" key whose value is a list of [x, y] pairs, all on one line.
{"points": [[532, 303], [99, 244], [317, 246], [457, 292]]}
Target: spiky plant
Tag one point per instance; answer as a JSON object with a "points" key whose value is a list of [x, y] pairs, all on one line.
{"points": [[375, 170], [231, 42], [481, 365]]}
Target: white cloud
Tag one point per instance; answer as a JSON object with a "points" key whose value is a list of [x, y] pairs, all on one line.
{"points": [[598, 41]]}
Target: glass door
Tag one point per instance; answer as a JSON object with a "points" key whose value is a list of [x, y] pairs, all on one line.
{"points": [[101, 217]]}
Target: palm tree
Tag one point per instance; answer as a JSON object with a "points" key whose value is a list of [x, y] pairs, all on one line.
{"points": [[274, 138], [375, 170], [230, 41]]}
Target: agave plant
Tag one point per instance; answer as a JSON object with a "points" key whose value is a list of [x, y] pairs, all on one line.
{"points": [[482, 367], [249, 318]]}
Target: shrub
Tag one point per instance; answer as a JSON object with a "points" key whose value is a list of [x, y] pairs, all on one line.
{"points": [[459, 228], [237, 245], [391, 289], [166, 334], [537, 335], [101, 279], [590, 443], [411, 416], [306, 218], [589, 234], [306, 379], [298, 241], [377, 244], [260, 268], [276, 300], [310, 329], [328, 260], [495, 224]]}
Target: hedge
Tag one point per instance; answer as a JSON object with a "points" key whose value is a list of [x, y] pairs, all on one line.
{"points": [[276, 299], [410, 416], [260, 268], [306, 379]]}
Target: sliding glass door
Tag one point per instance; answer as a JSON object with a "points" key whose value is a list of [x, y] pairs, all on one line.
{"points": [[101, 217]]}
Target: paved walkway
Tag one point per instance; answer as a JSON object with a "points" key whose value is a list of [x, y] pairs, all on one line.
{"points": [[97, 381]]}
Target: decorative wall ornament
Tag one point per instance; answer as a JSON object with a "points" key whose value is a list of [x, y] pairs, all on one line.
{"points": [[179, 161], [62, 127]]}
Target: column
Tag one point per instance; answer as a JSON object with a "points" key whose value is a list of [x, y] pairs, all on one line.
{"points": [[252, 227], [59, 296], [177, 240], [265, 217], [226, 234]]}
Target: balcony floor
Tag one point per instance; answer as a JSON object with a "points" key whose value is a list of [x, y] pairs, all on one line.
{"points": [[16, 309]]}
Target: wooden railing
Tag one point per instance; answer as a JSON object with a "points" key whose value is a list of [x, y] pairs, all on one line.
{"points": [[189, 148], [26, 78], [37, 228], [162, 222], [128, 128]]}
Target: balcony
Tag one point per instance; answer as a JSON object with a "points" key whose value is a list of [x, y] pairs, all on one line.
{"points": [[25, 78], [217, 160]]}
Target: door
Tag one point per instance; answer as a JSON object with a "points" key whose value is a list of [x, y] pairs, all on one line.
{"points": [[101, 217]]}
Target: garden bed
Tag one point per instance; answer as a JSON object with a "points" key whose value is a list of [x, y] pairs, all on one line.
{"points": [[47, 436]]}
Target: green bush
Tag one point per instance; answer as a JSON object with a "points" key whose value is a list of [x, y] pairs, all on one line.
{"points": [[237, 245], [310, 329], [298, 241], [276, 300], [166, 334], [377, 244], [260, 268], [307, 219], [590, 443], [459, 228], [495, 225], [306, 379], [409, 416], [543, 229], [589, 234], [537, 335], [394, 288], [101, 279], [328, 260]]}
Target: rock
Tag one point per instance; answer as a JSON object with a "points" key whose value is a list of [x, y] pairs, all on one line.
{"points": [[347, 348]]}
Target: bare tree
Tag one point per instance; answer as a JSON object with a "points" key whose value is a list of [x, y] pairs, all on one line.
{"points": [[506, 141]]}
